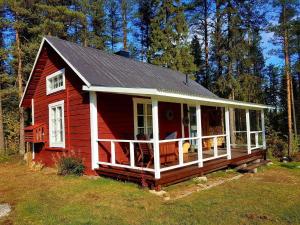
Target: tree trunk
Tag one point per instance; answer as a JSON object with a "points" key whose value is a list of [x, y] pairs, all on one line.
{"points": [[218, 40], [293, 109], [206, 42], [20, 92], [124, 23], [288, 81], [2, 150]]}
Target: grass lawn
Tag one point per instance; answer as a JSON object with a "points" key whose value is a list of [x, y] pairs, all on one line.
{"points": [[271, 196]]}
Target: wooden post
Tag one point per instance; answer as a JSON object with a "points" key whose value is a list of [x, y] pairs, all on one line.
{"points": [[199, 135], [94, 130], [180, 152], [263, 129], [113, 152], [215, 141], [155, 138], [131, 149], [227, 124], [248, 131]]}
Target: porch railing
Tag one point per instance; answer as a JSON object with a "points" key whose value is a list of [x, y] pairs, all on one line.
{"points": [[178, 163], [131, 155], [253, 134]]}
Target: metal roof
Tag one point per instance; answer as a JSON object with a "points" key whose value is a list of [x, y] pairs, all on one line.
{"points": [[100, 68]]}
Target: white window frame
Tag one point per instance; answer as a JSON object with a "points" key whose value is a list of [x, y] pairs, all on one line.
{"points": [[53, 144], [137, 101], [57, 73]]}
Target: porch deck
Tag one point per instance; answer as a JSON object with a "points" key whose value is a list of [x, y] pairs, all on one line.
{"points": [[239, 156]]}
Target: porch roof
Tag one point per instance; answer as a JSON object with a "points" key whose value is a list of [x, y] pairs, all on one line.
{"points": [[166, 95]]}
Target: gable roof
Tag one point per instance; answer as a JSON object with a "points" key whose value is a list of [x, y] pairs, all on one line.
{"points": [[100, 68], [102, 71]]}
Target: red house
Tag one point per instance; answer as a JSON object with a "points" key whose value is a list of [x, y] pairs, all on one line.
{"points": [[132, 120]]}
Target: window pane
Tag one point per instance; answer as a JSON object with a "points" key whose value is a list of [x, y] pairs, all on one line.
{"points": [[149, 109], [140, 130], [140, 121], [149, 121], [140, 109], [149, 132]]}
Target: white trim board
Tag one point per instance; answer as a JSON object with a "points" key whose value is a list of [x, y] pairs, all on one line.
{"points": [[51, 143], [168, 96], [57, 73]]}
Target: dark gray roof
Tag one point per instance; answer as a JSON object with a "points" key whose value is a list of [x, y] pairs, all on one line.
{"points": [[100, 68]]}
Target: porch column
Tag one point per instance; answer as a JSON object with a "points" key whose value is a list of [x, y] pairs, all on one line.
{"points": [[263, 129], [227, 124], [94, 130], [199, 135], [155, 138], [248, 131]]}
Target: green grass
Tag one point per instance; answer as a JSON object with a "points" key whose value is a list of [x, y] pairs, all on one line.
{"points": [[291, 165], [270, 197]]}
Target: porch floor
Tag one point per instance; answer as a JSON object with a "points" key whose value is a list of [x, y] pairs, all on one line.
{"points": [[238, 156]]}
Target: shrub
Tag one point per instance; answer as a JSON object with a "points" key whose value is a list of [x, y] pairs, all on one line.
{"points": [[277, 146], [68, 165]]}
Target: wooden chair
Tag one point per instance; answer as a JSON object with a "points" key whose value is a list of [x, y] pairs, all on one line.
{"points": [[145, 149]]}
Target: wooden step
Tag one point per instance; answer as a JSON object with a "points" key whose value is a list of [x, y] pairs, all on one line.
{"points": [[251, 167], [247, 160]]}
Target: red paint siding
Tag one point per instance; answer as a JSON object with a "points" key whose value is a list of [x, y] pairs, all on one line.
{"points": [[76, 111], [115, 121], [167, 125]]}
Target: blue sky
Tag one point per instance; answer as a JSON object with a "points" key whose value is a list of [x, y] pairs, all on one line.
{"points": [[267, 46]]}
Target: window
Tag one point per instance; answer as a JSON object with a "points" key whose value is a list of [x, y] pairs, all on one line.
{"points": [[56, 81], [56, 124], [143, 117]]}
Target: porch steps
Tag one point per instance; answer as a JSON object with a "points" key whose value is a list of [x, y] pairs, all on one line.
{"points": [[244, 160], [252, 167]]}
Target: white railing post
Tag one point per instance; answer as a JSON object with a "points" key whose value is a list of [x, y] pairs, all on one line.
{"points": [[215, 140], [227, 124], [199, 135], [263, 129], [180, 152], [94, 130], [248, 131], [155, 138], [113, 152], [131, 152]]}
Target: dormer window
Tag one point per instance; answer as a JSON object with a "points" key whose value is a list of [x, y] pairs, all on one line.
{"points": [[56, 82]]}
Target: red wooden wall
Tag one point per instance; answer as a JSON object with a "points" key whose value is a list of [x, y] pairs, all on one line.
{"points": [[116, 121], [76, 111]]}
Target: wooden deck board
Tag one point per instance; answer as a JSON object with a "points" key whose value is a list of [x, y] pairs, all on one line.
{"points": [[239, 156]]}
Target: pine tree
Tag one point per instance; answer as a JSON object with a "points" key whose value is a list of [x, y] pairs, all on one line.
{"points": [[145, 14], [282, 32], [168, 38], [272, 94], [126, 11], [98, 36], [113, 24], [196, 52], [200, 25], [2, 72]]}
